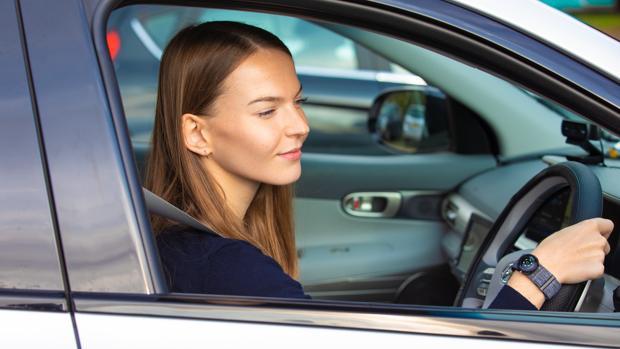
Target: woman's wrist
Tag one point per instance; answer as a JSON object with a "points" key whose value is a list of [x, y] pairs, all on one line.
{"points": [[544, 260], [522, 284]]}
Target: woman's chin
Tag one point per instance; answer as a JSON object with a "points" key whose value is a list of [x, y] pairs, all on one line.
{"points": [[284, 178]]}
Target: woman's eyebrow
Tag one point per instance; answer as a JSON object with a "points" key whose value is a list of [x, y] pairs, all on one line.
{"points": [[273, 98]]}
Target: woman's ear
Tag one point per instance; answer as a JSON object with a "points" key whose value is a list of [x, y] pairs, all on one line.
{"points": [[195, 134]]}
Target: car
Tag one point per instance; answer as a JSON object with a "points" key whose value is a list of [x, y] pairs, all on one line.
{"points": [[404, 244]]}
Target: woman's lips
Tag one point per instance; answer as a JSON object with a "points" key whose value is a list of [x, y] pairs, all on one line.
{"points": [[294, 154]]}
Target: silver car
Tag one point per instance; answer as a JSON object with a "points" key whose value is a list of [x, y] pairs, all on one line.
{"points": [[400, 244]]}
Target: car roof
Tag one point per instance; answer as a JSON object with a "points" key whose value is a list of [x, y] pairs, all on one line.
{"points": [[556, 28]]}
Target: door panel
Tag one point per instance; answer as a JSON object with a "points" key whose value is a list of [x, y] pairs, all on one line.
{"points": [[114, 331], [354, 258], [364, 258], [36, 329]]}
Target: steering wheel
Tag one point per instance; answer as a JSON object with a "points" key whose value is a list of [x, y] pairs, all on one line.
{"points": [[586, 202]]}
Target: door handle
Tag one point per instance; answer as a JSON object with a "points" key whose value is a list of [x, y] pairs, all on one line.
{"points": [[372, 204]]}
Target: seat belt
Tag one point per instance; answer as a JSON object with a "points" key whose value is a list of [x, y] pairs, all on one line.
{"points": [[163, 208]]}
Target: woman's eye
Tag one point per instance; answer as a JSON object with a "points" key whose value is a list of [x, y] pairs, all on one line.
{"points": [[301, 100], [266, 113]]}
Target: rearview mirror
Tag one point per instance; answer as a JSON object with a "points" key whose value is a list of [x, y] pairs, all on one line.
{"points": [[410, 120]]}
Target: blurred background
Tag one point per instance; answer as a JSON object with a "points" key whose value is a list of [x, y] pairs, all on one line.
{"points": [[603, 15]]}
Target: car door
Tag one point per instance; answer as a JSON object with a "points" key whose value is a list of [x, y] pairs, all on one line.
{"points": [[118, 294], [34, 311]]}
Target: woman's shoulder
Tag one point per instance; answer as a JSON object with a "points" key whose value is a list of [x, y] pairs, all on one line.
{"points": [[180, 244], [203, 262], [187, 242]]}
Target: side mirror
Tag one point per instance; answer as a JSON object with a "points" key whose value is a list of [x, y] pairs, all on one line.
{"points": [[410, 120]]}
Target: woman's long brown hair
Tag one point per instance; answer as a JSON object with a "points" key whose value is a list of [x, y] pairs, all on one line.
{"points": [[193, 68]]}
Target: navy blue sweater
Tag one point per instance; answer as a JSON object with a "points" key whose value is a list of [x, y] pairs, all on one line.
{"points": [[200, 262]]}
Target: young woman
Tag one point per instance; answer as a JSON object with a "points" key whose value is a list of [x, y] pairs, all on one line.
{"points": [[226, 148]]}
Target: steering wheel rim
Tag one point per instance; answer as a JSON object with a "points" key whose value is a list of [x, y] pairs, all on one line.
{"points": [[586, 202]]}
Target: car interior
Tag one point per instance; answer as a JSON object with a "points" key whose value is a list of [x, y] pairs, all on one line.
{"points": [[439, 195]]}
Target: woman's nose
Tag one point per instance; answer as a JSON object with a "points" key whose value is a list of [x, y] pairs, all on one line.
{"points": [[298, 124]]}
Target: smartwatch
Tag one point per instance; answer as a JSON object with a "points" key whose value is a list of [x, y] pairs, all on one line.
{"points": [[539, 275]]}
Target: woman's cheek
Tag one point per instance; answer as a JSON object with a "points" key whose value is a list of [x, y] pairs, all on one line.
{"points": [[265, 140]]}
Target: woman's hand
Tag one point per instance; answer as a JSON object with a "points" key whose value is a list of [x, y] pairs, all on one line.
{"points": [[576, 253], [573, 254]]}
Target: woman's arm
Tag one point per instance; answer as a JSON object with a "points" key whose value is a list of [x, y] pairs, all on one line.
{"points": [[509, 298]]}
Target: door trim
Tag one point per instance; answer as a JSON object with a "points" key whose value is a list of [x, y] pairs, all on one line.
{"points": [[557, 328]]}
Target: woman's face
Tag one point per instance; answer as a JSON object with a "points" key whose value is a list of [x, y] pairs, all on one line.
{"points": [[256, 127]]}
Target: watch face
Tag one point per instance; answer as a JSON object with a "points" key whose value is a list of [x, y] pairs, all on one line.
{"points": [[528, 263]]}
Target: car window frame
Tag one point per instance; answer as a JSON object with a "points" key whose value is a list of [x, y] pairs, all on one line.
{"points": [[297, 308]]}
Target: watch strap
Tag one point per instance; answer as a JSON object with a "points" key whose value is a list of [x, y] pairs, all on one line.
{"points": [[545, 281]]}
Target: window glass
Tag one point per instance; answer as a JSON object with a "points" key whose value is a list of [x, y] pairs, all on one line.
{"points": [[311, 45], [162, 27]]}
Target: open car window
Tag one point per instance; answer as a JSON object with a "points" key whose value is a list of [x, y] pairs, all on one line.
{"points": [[350, 249], [382, 228]]}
